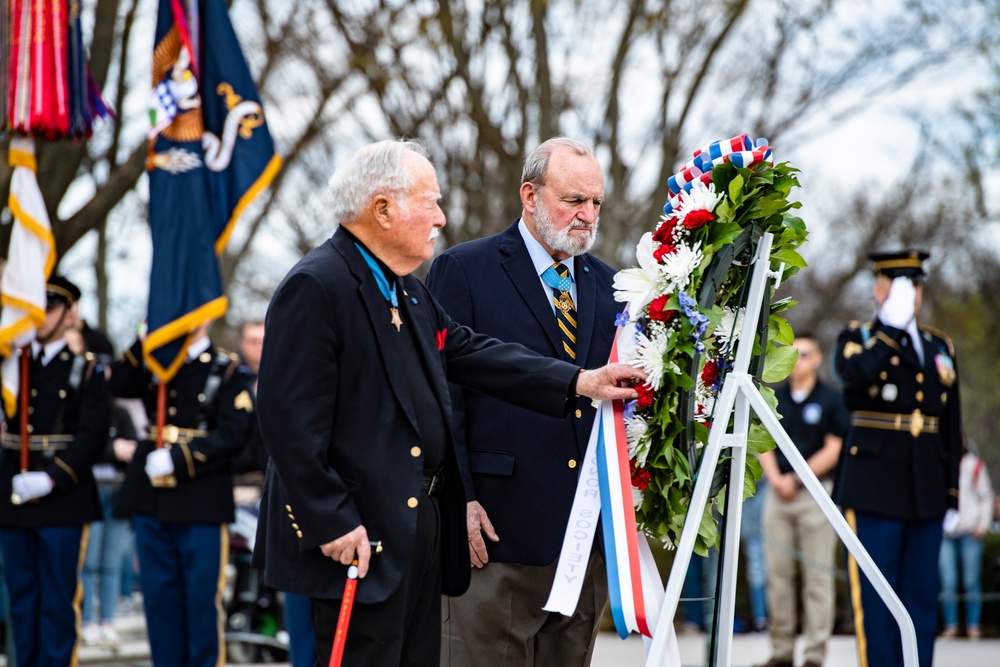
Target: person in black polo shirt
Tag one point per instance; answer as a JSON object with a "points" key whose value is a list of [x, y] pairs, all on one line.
{"points": [[815, 419]]}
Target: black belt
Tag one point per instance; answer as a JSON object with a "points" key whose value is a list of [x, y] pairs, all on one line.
{"points": [[432, 484]]}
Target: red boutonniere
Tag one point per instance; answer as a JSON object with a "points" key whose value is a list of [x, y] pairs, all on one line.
{"points": [[440, 336]]}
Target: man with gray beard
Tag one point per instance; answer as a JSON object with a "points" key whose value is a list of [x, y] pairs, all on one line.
{"points": [[533, 284]]}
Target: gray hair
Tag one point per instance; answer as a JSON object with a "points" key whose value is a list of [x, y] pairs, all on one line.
{"points": [[536, 165], [376, 169]]}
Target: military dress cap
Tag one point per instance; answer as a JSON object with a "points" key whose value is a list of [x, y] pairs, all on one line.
{"points": [[907, 263], [61, 292]]}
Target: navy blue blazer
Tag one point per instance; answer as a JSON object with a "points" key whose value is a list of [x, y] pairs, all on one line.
{"points": [[338, 421], [521, 466]]}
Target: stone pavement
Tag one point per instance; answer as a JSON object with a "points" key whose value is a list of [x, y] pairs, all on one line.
{"points": [[748, 650], [754, 649]]}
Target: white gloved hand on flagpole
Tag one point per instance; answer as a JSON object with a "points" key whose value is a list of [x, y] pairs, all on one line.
{"points": [[30, 485], [159, 464]]}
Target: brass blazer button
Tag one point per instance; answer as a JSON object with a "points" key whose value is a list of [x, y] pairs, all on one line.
{"points": [[411, 503]]}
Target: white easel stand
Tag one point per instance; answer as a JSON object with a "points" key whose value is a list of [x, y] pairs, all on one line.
{"points": [[738, 395]]}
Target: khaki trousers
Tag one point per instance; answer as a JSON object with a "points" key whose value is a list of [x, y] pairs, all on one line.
{"points": [[499, 622], [793, 530]]}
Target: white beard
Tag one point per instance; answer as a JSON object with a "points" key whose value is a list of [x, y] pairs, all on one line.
{"points": [[561, 239]]}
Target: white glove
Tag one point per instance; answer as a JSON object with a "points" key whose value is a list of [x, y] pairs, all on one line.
{"points": [[159, 463], [950, 521], [897, 309], [31, 485]]}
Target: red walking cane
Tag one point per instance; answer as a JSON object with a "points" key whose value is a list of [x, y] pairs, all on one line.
{"points": [[346, 605], [344, 618]]}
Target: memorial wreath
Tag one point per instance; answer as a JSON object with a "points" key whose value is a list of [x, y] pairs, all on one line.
{"points": [[685, 305]]}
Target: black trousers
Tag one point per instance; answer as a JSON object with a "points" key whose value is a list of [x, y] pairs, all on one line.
{"points": [[405, 630]]}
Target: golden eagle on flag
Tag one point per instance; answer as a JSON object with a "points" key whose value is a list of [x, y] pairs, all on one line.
{"points": [[209, 155]]}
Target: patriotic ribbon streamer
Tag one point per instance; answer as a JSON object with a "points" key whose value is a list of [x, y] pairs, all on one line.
{"points": [[621, 539], [742, 151], [605, 487]]}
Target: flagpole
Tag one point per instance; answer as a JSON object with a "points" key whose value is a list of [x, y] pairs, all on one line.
{"points": [[169, 480], [161, 411], [15, 499], [25, 435]]}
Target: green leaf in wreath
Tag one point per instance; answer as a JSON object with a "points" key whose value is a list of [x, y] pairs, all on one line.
{"points": [[708, 532], [789, 257], [770, 205], [765, 176], [753, 472], [781, 305], [795, 224], [779, 363], [724, 233], [759, 440], [780, 330], [767, 393], [736, 189], [723, 212]]}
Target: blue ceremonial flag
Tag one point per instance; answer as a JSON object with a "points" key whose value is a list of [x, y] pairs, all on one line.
{"points": [[210, 154]]}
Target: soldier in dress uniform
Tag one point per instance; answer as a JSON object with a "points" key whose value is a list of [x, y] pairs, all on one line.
{"points": [[899, 465], [180, 495], [46, 505]]}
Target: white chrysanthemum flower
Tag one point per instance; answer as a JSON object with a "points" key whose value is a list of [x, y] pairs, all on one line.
{"points": [[649, 357], [636, 286], [700, 196], [675, 272], [638, 445], [732, 321], [701, 392]]}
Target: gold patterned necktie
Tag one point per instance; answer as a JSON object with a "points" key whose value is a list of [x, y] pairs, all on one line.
{"points": [[565, 311]]}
